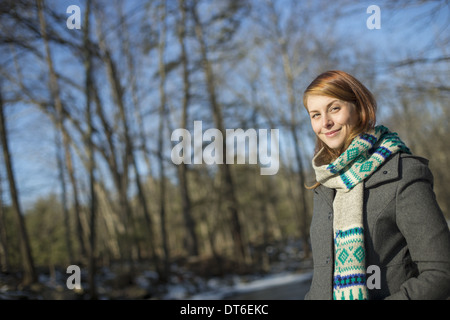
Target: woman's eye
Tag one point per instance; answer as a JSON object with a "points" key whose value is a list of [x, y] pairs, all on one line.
{"points": [[315, 115], [335, 108]]}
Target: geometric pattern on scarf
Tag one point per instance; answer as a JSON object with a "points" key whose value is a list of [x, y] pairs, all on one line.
{"points": [[349, 280], [363, 156]]}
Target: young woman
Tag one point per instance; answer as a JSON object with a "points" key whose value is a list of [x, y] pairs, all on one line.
{"points": [[377, 231]]}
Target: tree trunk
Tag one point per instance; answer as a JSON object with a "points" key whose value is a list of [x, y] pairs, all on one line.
{"points": [[120, 174], [162, 117], [291, 93], [55, 93], [62, 179], [92, 270], [29, 275], [4, 254], [144, 202], [225, 170], [182, 168]]}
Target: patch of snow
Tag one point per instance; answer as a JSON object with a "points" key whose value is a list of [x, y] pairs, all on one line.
{"points": [[240, 287]]}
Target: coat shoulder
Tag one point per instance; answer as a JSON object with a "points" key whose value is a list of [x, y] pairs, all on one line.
{"points": [[414, 167], [397, 167], [407, 159]]}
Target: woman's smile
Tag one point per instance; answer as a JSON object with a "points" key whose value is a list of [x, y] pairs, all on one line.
{"points": [[332, 134]]}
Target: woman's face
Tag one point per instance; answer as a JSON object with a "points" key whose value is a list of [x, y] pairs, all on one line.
{"points": [[332, 119]]}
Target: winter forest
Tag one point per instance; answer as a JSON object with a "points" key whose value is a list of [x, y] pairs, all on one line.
{"points": [[96, 95]]}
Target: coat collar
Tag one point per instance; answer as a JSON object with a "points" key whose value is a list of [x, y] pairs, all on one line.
{"points": [[388, 171], [326, 193]]}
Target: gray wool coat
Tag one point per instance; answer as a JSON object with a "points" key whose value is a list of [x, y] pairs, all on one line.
{"points": [[406, 234]]}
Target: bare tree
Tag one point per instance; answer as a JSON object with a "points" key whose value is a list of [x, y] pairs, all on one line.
{"points": [[92, 268], [229, 189], [118, 160], [182, 168], [4, 251], [292, 122], [142, 141], [29, 275], [162, 10], [55, 93]]}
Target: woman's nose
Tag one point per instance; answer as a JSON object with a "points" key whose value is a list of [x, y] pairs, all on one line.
{"points": [[326, 122]]}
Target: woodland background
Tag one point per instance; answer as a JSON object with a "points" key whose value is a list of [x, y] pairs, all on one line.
{"points": [[86, 176]]}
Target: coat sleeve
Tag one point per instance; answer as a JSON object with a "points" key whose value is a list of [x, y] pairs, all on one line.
{"points": [[422, 223]]}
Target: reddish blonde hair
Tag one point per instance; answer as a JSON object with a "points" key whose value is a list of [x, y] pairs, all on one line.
{"points": [[343, 86]]}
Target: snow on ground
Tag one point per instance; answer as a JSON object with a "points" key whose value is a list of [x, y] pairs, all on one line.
{"points": [[219, 291]]}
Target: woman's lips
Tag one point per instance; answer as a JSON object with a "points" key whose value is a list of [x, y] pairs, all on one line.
{"points": [[332, 133]]}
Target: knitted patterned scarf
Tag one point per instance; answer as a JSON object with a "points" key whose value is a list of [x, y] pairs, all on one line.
{"points": [[363, 156]]}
